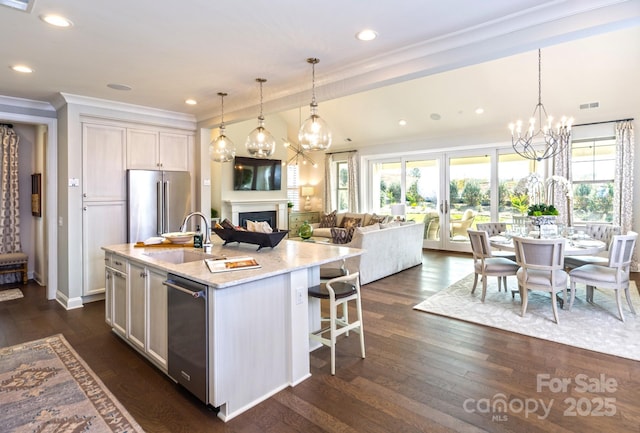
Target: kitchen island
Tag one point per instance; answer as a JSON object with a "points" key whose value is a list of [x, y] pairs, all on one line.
{"points": [[257, 320]]}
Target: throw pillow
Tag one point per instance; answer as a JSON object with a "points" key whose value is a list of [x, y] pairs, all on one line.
{"points": [[329, 220], [339, 235], [375, 219], [350, 222]]}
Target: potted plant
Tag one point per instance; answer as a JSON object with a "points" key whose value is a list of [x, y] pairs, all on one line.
{"points": [[214, 217], [290, 206], [542, 214], [520, 202]]}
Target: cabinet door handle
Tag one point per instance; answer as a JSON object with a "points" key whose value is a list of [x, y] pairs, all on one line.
{"points": [[84, 208], [143, 274]]}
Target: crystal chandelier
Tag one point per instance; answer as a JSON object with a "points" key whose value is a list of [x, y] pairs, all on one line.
{"points": [[314, 133], [260, 143], [547, 140], [222, 148]]}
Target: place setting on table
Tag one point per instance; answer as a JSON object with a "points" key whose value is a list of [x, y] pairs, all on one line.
{"points": [[577, 242]]}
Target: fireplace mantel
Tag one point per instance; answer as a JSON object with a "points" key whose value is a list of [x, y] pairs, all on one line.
{"points": [[234, 207]]}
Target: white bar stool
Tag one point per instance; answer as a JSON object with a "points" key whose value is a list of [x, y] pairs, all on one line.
{"points": [[339, 291]]}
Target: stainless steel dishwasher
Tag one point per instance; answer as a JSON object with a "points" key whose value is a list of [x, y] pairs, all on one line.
{"points": [[187, 329]]}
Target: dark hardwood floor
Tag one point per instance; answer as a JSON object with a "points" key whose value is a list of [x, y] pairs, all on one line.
{"points": [[423, 373]]}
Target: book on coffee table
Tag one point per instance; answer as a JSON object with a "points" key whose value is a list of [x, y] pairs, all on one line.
{"points": [[232, 264]]}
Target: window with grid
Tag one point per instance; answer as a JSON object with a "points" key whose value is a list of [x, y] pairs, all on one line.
{"points": [[593, 169], [293, 185]]}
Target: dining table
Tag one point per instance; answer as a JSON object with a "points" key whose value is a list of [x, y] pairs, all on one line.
{"points": [[574, 246], [579, 245]]}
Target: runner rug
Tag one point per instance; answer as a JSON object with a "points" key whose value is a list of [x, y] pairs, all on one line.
{"points": [[9, 294], [46, 387], [593, 326]]}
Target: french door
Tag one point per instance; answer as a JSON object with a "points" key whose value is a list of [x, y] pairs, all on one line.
{"points": [[451, 191]]}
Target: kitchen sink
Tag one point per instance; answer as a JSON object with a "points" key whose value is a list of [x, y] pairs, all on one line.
{"points": [[179, 256]]}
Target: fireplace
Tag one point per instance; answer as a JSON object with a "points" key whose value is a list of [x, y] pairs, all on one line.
{"points": [[270, 216], [232, 209]]}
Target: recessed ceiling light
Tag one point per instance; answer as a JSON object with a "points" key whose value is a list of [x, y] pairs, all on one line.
{"points": [[56, 20], [402, 122], [116, 86], [479, 110], [435, 116], [191, 102], [22, 68], [366, 35]]}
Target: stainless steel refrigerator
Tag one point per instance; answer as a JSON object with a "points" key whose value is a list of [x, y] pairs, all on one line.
{"points": [[157, 202]]}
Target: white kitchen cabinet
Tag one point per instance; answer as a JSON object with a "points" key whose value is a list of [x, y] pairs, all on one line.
{"points": [[108, 287], [103, 223], [104, 162], [157, 337], [137, 304], [155, 150], [118, 289]]}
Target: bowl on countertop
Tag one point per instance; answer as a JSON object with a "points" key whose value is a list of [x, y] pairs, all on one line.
{"points": [[179, 237]]}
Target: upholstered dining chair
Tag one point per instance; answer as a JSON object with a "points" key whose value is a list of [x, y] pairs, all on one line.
{"points": [[493, 229], [541, 268], [613, 276], [598, 231], [339, 291], [486, 265]]}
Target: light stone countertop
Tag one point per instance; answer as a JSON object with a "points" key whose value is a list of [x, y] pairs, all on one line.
{"points": [[287, 256]]}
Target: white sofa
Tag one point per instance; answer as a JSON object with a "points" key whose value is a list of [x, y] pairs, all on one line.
{"points": [[390, 248]]}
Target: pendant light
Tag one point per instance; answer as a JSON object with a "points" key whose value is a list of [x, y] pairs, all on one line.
{"points": [[260, 143], [222, 148], [314, 133]]}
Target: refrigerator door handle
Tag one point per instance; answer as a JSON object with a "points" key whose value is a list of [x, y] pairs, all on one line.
{"points": [[165, 206], [159, 207]]}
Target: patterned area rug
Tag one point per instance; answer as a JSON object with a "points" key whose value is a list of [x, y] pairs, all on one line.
{"points": [[46, 387], [9, 294], [593, 326]]}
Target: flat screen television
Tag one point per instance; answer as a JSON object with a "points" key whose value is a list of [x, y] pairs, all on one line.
{"points": [[252, 174]]}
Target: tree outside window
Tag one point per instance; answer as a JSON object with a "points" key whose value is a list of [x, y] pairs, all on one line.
{"points": [[593, 188]]}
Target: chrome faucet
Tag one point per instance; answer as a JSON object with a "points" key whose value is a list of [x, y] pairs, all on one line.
{"points": [[206, 243]]}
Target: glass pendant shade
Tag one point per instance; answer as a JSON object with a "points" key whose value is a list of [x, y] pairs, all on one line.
{"points": [[260, 143], [314, 133], [222, 148]]}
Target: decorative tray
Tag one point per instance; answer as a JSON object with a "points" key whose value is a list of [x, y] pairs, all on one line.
{"points": [[269, 240]]}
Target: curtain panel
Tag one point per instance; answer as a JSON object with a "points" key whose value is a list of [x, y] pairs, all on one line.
{"points": [[329, 184], [353, 166], [9, 199], [623, 187]]}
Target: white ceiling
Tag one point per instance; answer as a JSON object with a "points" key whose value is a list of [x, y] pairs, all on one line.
{"points": [[445, 57]]}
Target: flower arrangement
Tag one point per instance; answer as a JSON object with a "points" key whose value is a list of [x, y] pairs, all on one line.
{"points": [[541, 209]]}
